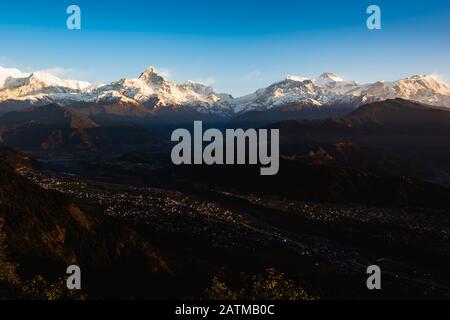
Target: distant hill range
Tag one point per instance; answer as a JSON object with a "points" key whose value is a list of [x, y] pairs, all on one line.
{"points": [[411, 130]]}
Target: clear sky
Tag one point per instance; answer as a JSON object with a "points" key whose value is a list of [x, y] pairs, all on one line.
{"points": [[235, 45]]}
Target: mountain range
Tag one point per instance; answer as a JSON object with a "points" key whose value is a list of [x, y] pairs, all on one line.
{"points": [[409, 117], [150, 93]]}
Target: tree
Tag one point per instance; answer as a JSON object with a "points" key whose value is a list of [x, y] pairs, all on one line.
{"points": [[271, 285], [9, 280]]}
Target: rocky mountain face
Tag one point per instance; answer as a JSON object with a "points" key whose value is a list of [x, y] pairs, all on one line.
{"points": [[330, 90]]}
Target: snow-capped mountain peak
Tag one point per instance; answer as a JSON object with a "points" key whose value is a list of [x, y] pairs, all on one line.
{"points": [[155, 92], [39, 87], [5, 73], [425, 82], [328, 79], [296, 78], [151, 78], [330, 76], [199, 87], [323, 79], [330, 90], [42, 80]]}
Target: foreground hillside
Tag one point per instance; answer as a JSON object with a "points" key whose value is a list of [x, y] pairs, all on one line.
{"points": [[44, 232]]}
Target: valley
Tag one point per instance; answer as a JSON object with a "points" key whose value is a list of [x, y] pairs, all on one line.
{"points": [[203, 231]]}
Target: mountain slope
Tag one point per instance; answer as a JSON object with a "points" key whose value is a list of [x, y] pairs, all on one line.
{"points": [[306, 110], [401, 113], [53, 127], [404, 128], [391, 116], [46, 127]]}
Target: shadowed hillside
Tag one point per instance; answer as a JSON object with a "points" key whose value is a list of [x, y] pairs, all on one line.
{"points": [[44, 232]]}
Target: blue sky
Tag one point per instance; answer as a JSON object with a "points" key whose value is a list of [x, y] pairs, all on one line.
{"points": [[237, 46]]}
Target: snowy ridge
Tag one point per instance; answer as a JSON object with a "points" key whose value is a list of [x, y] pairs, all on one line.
{"points": [[154, 92], [5, 73], [40, 80], [330, 90]]}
